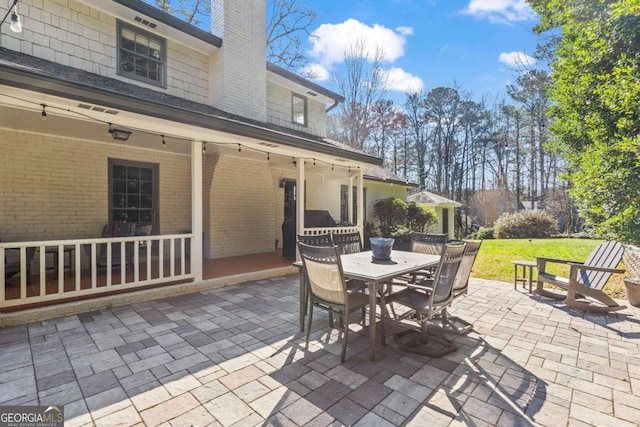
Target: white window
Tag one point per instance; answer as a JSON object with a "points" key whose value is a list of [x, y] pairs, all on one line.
{"points": [[141, 55]]}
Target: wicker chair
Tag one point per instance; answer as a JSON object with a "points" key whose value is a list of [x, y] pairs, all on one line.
{"points": [[327, 287]]}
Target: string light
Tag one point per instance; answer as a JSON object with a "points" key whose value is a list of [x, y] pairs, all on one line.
{"points": [[122, 134]]}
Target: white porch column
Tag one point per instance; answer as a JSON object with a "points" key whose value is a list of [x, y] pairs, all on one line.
{"points": [[196, 210], [350, 200], [300, 203], [361, 201]]}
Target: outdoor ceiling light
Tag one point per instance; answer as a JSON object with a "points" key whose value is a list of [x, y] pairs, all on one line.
{"points": [[119, 134]]}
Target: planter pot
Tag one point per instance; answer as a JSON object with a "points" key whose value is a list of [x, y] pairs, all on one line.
{"points": [[633, 291], [631, 259]]}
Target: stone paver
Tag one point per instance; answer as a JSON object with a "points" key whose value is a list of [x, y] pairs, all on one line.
{"points": [[235, 356]]}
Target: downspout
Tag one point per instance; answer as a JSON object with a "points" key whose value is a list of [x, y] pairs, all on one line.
{"points": [[331, 107]]}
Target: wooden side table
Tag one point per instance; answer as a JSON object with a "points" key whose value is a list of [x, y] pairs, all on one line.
{"points": [[526, 265]]}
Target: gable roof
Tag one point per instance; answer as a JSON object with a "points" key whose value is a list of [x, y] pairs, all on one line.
{"points": [[432, 199], [39, 75]]}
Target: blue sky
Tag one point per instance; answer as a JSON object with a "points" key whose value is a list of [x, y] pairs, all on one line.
{"points": [[429, 43]]}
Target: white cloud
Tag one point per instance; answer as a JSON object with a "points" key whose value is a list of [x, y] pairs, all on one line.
{"points": [[400, 80], [318, 72], [330, 41], [517, 59], [405, 31], [500, 11]]}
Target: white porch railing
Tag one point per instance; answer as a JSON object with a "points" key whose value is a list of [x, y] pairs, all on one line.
{"points": [[336, 230], [160, 259]]}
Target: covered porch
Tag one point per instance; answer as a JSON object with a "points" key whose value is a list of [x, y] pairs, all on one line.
{"points": [[211, 187], [63, 283]]}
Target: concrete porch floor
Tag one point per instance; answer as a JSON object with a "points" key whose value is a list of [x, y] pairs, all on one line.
{"points": [[234, 356]]}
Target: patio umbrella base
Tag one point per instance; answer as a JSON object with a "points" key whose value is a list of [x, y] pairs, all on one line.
{"points": [[411, 341]]}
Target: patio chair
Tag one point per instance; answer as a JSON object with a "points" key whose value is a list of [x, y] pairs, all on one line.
{"points": [[328, 288], [586, 280], [424, 243], [114, 229], [349, 243], [460, 287], [12, 263], [326, 240], [424, 305]]}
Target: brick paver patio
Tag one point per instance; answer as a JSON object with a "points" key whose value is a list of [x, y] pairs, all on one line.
{"points": [[234, 356]]}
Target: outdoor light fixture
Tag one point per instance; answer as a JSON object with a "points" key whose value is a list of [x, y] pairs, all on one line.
{"points": [[119, 134], [15, 25], [44, 112]]}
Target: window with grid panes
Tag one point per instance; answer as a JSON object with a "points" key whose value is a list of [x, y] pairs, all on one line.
{"points": [[344, 212], [141, 55], [133, 191]]}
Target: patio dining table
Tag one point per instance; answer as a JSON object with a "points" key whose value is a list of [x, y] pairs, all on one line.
{"points": [[362, 266]]}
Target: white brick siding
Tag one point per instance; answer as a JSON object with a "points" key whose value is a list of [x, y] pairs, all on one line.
{"points": [[241, 206], [238, 72], [55, 188]]}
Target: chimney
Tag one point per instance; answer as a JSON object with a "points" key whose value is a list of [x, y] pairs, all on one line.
{"points": [[238, 75]]}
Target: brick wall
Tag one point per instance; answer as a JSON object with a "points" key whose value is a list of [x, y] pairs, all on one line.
{"points": [[55, 188], [238, 72], [241, 203], [76, 35]]}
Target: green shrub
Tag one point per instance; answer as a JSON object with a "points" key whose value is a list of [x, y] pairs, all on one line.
{"points": [[525, 224], [391, 214], [484, 233], [421, 217], [402, 237]]}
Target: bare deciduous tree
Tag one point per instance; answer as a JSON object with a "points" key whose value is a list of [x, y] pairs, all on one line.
{"points": [[363, 83], [288, 21]]}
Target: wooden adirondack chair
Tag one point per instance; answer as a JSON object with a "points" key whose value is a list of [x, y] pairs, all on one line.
{"points": [[585, 279]]}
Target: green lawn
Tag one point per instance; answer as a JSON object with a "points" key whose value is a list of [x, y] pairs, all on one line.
{"points": [[495, 256]]}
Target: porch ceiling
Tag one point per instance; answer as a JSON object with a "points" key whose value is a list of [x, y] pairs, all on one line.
{"points": [[61, 124], [21, 110]]}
